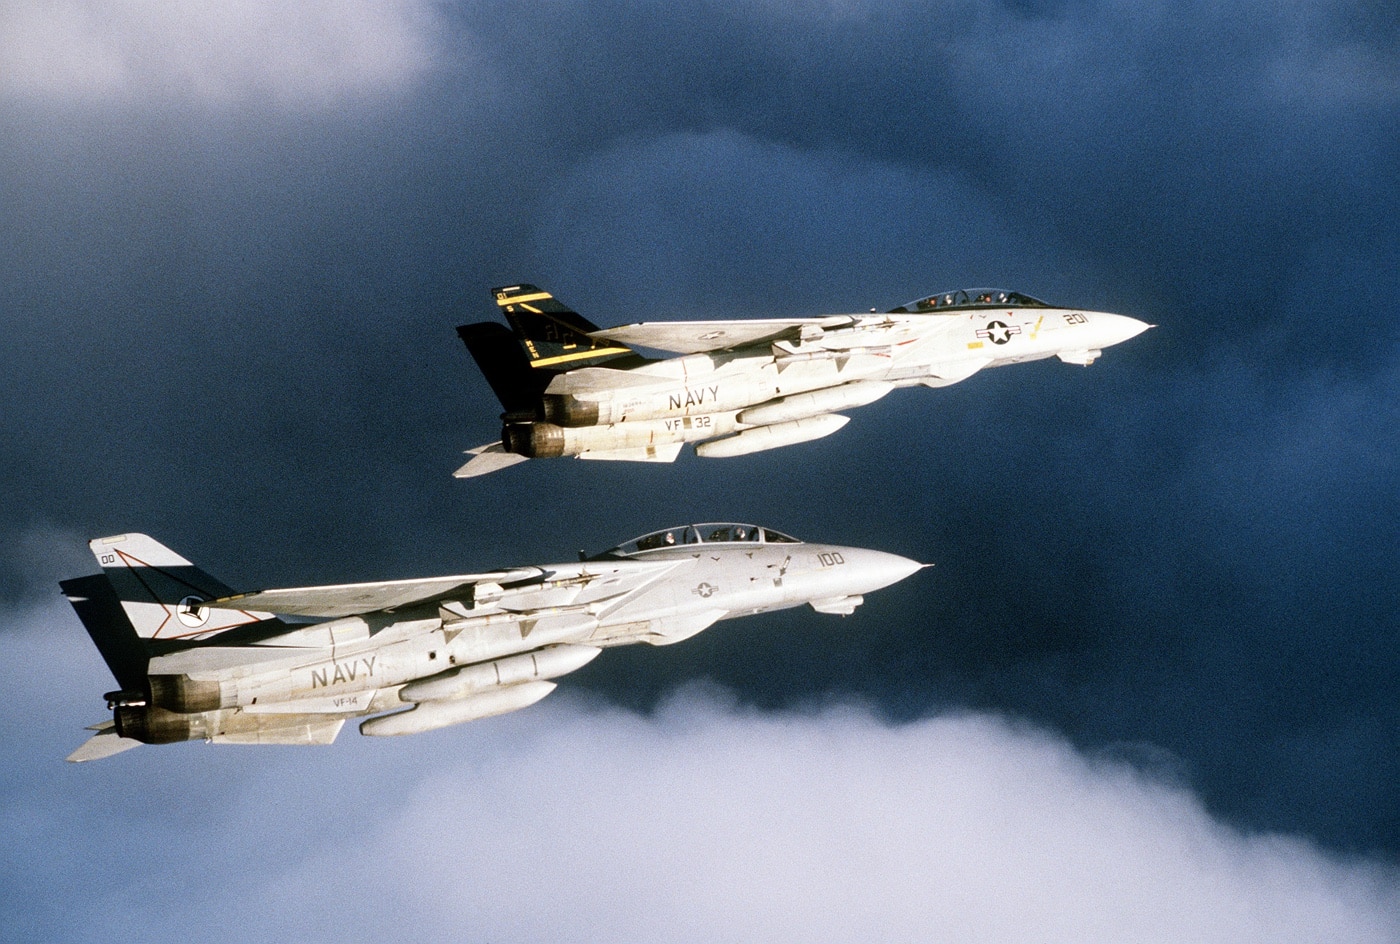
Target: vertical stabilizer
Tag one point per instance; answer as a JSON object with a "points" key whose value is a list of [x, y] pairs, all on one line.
{"points": [[160, 592], [103, 617], [502, 360], [553, 335]]}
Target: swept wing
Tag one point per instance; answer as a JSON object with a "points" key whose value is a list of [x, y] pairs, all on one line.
{"points": [[520, 590], [696, 337], [351, 599]]}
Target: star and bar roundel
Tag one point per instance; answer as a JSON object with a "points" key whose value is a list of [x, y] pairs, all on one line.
{"points": [[998, 332]]}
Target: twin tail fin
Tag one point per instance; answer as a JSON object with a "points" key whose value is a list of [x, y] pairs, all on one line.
{"points": [[553, 335], [545, 338], [160, 593]]}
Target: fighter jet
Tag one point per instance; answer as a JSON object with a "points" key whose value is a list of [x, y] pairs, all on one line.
{"points": [[570, 388], [195, 660]]}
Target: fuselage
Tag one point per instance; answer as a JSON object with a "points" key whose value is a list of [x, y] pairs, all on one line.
{"points": [[658, 589], [780, 384]]}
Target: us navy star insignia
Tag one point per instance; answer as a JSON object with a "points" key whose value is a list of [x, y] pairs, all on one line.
{"points": [[998, 332]]}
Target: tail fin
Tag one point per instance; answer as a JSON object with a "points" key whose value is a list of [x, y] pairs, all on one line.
{"points": [[502, 359], [101, 611], [160, 592], [554, 336]]}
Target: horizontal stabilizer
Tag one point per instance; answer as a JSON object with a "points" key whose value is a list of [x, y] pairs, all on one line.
{"points": [[104, 743], [486, 459]]}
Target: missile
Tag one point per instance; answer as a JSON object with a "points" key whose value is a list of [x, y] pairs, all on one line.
{"points": [[547, 663], [430, 715], [770, 437], [795, 407]]}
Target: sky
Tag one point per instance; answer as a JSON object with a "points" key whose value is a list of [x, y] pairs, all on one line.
{"points": [[1147, 691]]}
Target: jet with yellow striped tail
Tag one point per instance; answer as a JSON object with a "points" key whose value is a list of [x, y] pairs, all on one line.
{"points": [[570, 388]]}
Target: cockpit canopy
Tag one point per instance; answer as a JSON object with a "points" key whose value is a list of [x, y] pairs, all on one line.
{"points": [[719, 532], [971, 298]]}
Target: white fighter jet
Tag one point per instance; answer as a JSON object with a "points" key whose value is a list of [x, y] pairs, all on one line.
{"points": [[195, 660], [570, 388]]}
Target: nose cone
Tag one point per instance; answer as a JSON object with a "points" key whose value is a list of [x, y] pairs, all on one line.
{"points": [[1115, 329], [871, 570]]}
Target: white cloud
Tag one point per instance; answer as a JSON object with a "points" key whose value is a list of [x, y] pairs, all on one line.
{"points": [[293, 55], [705, 822]]}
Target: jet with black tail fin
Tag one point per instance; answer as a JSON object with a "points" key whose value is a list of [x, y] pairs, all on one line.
{"points": [[570, 388]]}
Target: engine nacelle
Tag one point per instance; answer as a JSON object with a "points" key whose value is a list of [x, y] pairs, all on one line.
{"points": [[568, 410], [151, 724], [533, 440], [182, 693]]}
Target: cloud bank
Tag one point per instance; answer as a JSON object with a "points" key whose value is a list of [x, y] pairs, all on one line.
{"points": [[699, 822]]}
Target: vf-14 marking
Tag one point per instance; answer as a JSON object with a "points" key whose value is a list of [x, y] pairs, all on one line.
{"points": [[414, 655]]}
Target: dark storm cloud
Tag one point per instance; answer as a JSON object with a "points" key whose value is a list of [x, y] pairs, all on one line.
{"points": [[229, 307], [1195, 154], [657, 207]]}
